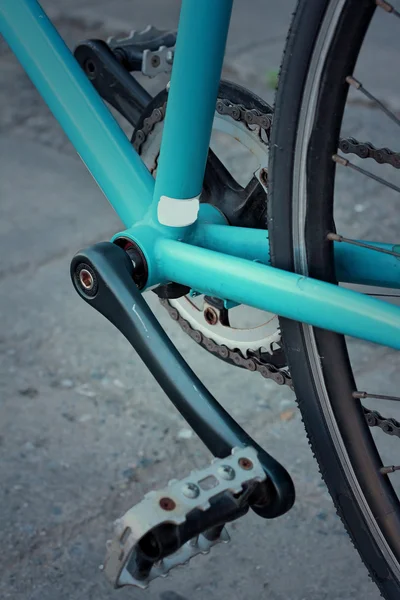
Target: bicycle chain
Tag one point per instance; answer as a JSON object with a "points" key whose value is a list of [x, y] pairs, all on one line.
{"points": [[251, 117], [238, 112], [388, 425], [368, 150], [268, 371]]}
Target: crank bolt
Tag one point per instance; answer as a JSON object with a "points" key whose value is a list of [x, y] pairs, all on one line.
{"points": [[211, 316], [86, 279], [90, 69], [226, 472], [190, 490], [245, 463], [167, 504]]}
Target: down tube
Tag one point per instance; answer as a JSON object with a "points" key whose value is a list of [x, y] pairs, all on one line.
{"points": [[93, 131], [287, 294]]}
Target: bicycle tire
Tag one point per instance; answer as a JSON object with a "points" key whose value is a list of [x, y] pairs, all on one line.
{"points": [[309, 106]]}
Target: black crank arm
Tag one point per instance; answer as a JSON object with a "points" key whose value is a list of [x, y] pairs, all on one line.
{"points": [[103, 275], [111, 79]]}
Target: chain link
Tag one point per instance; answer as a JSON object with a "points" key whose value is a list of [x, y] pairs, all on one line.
{"points": [[368, 150], [268, 371], [252, 117], [141, 135], [388, 425], [238, 112]]}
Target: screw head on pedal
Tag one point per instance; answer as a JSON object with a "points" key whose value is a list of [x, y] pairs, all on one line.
{"points": [[245, 463], [226, 472], [190, 490]]}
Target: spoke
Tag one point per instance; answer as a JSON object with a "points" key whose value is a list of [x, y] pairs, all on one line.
{"points": [[391, 469], [359, 86], [363, 395], [346, 163], [381, 295], [387, 7], [334, 237]]}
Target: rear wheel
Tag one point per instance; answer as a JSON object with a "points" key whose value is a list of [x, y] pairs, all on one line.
{"points": [[321, 52]]}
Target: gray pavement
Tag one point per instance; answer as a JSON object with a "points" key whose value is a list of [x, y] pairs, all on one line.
{"points": [[84, 430]]}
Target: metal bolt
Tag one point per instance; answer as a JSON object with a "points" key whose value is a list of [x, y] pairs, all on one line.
{"points": [[226, 472], [264, 176], [86, 279], [155, 61], [90, 69], [211, 316], [245, 463], [167, 504], [190, 490]]}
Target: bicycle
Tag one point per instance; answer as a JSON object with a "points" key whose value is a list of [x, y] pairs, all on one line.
{"points": [[192, 231]]}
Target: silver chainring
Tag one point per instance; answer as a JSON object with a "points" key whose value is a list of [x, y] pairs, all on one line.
{"points": [[248, 331]]}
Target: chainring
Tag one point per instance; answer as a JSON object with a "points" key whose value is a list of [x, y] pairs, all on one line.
{"points": [[238, 115]]}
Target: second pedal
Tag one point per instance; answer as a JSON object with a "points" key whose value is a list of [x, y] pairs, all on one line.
{"points": [[172, 525]]}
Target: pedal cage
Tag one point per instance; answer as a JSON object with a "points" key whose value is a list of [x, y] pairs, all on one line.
{"points": [[184, 519]]}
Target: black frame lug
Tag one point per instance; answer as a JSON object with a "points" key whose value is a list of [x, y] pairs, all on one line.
{"points": [[171, 291]]}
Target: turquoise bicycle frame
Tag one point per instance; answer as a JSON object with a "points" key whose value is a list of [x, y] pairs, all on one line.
{"points": [[182, 240]]}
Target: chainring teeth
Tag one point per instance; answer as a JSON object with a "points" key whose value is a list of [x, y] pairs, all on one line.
{"points": [[253, 123]]}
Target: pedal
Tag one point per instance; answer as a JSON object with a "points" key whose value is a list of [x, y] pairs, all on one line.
{"points": [[152, 45], [157, 61], [149, 38], [184, 519]]}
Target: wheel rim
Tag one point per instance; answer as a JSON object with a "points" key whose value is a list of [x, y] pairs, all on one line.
{"points": [[309, 115]]}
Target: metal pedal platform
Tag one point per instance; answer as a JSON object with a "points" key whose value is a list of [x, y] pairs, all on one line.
{"points": [[150, 38], [154, 45], [184, 519]]}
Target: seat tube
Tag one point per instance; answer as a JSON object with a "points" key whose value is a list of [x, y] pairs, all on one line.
{"points": [[196, 73]]}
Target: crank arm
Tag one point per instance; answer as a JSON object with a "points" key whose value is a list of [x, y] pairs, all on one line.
{"points": [[112, 80], [104, 277]]}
